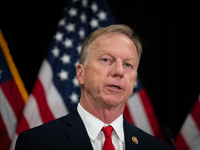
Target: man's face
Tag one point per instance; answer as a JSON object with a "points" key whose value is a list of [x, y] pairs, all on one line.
{"points": [[111, 71]]}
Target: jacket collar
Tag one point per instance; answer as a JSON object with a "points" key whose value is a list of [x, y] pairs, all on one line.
{"points": [[130, 131], [77, 132]]}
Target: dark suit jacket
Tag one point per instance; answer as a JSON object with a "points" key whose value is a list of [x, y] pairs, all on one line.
{"points": [[69, 133]]}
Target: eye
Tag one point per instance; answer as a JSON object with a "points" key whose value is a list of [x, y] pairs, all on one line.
{"points": [[128, 65], [105, 59]]}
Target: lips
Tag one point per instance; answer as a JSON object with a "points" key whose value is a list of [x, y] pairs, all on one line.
{"points": [[115, 87]]}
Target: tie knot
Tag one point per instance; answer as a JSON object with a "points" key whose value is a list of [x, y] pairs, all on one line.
{"points": [[107, 131]]}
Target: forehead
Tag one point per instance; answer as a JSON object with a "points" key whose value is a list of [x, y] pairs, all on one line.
{"points": [[115, 42], [109, 37]]}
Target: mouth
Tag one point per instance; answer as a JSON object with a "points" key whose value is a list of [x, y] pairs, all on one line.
{"points": [[115, 87]]}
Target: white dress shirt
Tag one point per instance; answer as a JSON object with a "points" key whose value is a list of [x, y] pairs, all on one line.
{"points": [[94, 125]]}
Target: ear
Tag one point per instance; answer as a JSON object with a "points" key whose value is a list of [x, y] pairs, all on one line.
{"points": [[80, 74]]}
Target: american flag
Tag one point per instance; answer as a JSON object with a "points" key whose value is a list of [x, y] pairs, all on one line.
{"points": [[56, 91], [189, 135], [12, 96]]}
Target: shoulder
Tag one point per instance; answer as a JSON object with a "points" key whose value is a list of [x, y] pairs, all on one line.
{"points": [[145, 140], [50, 135], [57, 134], [49, 128]]}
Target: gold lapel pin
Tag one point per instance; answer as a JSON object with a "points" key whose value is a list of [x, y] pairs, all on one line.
{"points": [[135, 140]]}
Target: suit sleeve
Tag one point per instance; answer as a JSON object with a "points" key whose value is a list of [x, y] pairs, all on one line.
{"points": [[25, 143]]}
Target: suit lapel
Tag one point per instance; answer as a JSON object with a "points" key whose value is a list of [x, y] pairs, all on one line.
{"points": [[129, 132], [77, 132]]}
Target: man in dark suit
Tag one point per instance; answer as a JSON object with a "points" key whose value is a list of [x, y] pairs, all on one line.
{"points": [[107, 72]]}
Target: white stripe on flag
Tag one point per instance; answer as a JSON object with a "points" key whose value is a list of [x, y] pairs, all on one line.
{"points": [[54, 99], [14, 139], [31, 113], [191, 134], [138, 113], [8, 115]]}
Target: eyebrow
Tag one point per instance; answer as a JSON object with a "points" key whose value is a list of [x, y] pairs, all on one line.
{"points": [[103, 52]]}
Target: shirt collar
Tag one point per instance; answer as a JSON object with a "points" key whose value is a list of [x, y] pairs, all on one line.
{"points": [[94, 125], [117, 125]]}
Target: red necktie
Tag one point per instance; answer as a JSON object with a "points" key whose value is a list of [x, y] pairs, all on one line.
{"points": [[108, 145]]}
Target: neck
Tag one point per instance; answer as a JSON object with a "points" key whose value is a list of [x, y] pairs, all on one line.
{"points": [[105, 113]]}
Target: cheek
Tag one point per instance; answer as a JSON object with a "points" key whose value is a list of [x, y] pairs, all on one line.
{"points": [[92, 77]]}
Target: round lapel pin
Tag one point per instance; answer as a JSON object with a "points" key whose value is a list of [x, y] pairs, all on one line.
{"points": [[135, 140]]}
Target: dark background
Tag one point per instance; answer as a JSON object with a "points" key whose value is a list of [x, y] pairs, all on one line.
{"points": [[169, 68]]}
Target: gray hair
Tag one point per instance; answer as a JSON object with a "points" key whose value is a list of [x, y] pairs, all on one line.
{"points": [[120, 29]]}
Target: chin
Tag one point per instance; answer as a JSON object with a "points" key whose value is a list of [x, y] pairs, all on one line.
{"points": [[115, 101]]}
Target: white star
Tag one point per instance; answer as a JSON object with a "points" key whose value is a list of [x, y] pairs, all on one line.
{"points": [[75, 82], [94, 23], [85, 3], [72, 12], [94, 7], [78, 48], [63, 75], [55, 52], [74, 98], [70, 27], [61, 22], [83, 18], [58, 36], [65, 59], [81, 33], [102, 15], [68, 43], [0, 73], [76, 63]]}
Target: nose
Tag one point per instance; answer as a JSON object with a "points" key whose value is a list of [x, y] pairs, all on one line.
{"points": [[117, 69]]}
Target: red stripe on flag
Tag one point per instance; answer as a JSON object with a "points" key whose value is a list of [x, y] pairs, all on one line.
{"points": [[4, 137], [150, 114], [22, 125], [195, 113], [39, 94], [180, 143], [14, 97], [127, 114]]}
